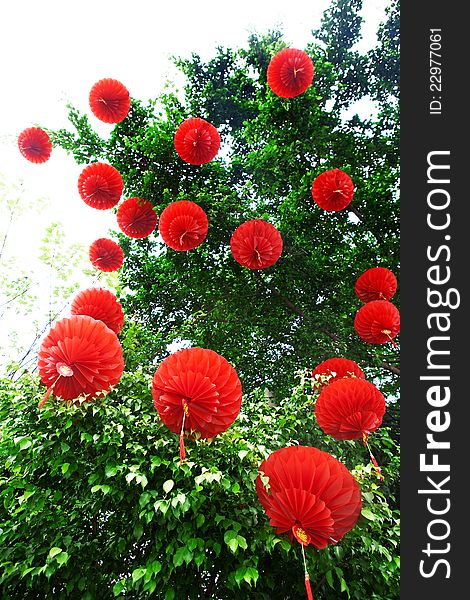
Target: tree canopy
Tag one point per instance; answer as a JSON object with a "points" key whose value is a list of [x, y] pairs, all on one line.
{"points": [[95, 504]]}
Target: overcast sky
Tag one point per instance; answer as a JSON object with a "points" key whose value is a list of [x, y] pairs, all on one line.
{"points": [[54, 51]]}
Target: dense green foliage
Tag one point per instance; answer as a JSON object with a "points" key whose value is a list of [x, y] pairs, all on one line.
{"points": [[94, 502]]}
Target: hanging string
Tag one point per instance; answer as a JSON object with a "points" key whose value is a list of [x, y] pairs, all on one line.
{"points": [[387, 332], [307, 577], [378, 470]]}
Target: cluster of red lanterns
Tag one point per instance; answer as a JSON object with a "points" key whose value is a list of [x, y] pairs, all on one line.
{"points": [[378, 320], [81, 356], [348, 406], [306, 493]]}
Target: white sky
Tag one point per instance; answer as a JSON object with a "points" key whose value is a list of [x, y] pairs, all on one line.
{"points": [[54, 51]]}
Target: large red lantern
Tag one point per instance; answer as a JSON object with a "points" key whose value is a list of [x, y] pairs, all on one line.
{"points": [[106, 255], [333, 369], [183, 225], [310, 495], [377, 283], [333, 190], [290, 72], [256, 244], [100, 185], [35, 145], [197, 393], [99, 304], [377, 322], [79, 357], [136, 217], [196, 141], [109, 100]]}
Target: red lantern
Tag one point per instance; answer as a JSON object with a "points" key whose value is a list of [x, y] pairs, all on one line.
{"points": [[333, 369], [100, 185], [79, 357], [183, 225], [109, 100], [290, 72], [197, 393], [256, 244], [106, 255], [349, 408], [136, 217], [377, 322], [309, 495], [196, 141], [377, 283], [333, 190], [100, 304], [35, 145]]}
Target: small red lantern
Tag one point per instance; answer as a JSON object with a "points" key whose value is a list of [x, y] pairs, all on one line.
{"points": [[377, 283], [196, 141], [197, 393], [183, 225], [310, 495], [333, 190], [290, 72], [35, 145], [106, 255], [256, 244], [136, 217], [333, 369], [377, 322], [79, 357], [109, 100], [100, 185], [99, 304]]}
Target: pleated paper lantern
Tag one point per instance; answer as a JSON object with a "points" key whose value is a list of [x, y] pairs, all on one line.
{"points": [[99, 304], [109, 100], [106, 255], [136, 217], [256, 244], [377, 322], [197, 393], [35, 145], [183, 225], [333, 190], [79, 357], [196, 141], [377, 283], [100, 185], [310, 495], [333, 369], [349, 408], [290, 72]]}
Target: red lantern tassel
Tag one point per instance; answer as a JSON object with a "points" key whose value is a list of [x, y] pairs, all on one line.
{"points": [[307, 587], [182, 450], [48, 393], [378, 470], [307, 578]]}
